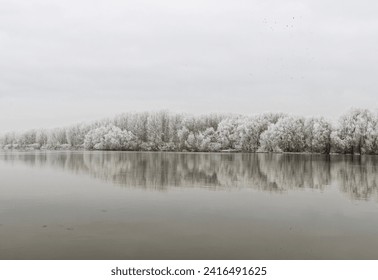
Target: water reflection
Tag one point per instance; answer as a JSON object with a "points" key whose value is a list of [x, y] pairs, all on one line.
{"points": [[355, 175]]}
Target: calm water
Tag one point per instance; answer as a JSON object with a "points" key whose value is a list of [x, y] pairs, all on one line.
{"points": [[121, 205]]}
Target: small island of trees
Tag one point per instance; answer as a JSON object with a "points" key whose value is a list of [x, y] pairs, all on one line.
{"points": [[355, 133]]}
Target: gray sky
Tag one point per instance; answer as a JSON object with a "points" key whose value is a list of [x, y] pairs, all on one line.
{"points": [[63, 62]]}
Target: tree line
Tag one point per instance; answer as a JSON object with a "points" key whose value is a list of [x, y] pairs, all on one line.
{"points": [[355, 133]]}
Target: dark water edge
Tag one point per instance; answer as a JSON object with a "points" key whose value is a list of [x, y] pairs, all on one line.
{"points": [[141, 205]]}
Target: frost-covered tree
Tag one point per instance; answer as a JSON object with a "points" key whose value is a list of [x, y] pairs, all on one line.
{"points": [[157, 130], [110, 138], [228, 134], [209, 141], [318, 135], [193, 142], [95, 138], [287, 135], [75, 135], [175, 125], [27, 138], [352, 132], [41, 137], [250, 130], [371, 140], [8, 140], [182, 134], [56, 138]]}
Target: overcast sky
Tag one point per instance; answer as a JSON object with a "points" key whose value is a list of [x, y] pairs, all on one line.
{"points": [[63, 62]]}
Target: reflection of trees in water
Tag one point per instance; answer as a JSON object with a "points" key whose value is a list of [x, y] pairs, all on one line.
{"points": [[162, 170], [291, 171], [356, 175]]}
